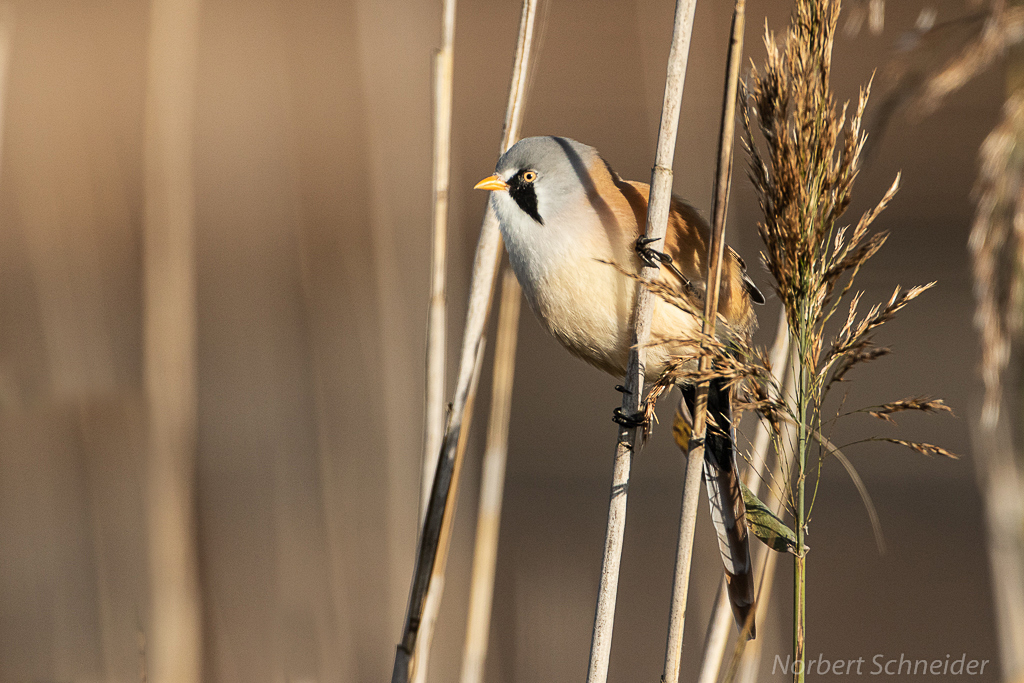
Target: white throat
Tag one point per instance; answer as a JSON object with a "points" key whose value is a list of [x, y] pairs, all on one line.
{"points": [[563, 266]]}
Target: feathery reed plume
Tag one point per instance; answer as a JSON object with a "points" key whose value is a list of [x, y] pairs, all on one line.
{"points": [[937, 59], [921, 403], [804, 157], [933, 64], [997, 251], [431, 547]]}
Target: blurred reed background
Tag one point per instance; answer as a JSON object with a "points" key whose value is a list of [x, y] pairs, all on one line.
{"points": [[311, 169]]}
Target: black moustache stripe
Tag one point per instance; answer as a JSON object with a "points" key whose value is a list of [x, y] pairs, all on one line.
{"points": [[525, 196]]}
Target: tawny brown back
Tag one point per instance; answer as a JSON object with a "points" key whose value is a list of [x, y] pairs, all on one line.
{"points": [[686, 241]]}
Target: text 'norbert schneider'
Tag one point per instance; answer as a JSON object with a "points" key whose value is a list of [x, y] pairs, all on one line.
{"points": [[882, 665]]}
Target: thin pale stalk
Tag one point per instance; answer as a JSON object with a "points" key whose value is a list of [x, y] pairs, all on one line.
{"points": [[175, 635], [716, 637], [627, 437], [684, 557], [492, 484], [745, 663], [421, 655], [437, 318], [716, 250], [485, 269], [1002, 486], [721, 615]]}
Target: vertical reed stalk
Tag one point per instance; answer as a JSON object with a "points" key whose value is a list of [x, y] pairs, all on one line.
{"points": [[717, 634], [743, 668], [175, 638], [803, 415], [492, 484], [1002, 485], [437, 319], [432, 607], [716, 250], [800, 521], [657, 223], [485, 268]]}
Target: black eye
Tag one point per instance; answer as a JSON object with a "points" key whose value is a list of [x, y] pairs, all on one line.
{"points": [[529, 176]]}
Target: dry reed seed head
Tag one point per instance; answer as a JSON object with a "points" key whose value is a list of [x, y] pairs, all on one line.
{"points": [[862, 354], [1003, 26], [997, 248], [761, 392], [850, 319], [804, 154], [745, 370], [938, 59], [804, 178], [918, 403], [735, 361], [854, 334], [923, 448]]}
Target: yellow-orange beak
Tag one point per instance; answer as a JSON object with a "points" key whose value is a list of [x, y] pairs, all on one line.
{"points": [[492, 182]]}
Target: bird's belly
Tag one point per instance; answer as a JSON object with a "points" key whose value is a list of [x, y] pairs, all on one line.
{"points": [[589, 309]]}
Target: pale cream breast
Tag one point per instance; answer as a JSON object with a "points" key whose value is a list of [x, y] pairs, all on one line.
{"points": [[587, 306]]}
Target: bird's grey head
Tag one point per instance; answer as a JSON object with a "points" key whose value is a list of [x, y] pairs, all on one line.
{"points": [[546, 175]]}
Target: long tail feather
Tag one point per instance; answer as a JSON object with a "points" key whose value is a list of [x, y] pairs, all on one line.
{"points": [[721, 479]]}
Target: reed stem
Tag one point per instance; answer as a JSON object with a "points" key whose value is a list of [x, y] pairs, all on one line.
{"points": [[717, 634], [627, 437], [716, 251], [492, 484], [437, 316], [800, 560], [174, 648], [444, 488]]}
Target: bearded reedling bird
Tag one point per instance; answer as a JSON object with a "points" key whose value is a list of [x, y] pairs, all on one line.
{"points": [[565, 216]]}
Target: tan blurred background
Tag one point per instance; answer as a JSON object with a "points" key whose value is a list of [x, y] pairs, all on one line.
{"points": [[312, 153]]}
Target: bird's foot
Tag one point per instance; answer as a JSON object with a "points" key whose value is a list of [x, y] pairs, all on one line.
{"points": [[630, 420], [652, 257]]}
